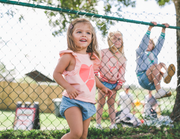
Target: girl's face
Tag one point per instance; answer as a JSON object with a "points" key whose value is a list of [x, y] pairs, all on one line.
{"points": [[82, 36], [150, 46], [116, 39]]}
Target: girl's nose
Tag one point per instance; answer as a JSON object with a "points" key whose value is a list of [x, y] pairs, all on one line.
{"points": [[84, 34]]}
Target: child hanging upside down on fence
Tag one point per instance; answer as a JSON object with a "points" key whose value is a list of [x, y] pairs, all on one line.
{"points": [[148, 70]]}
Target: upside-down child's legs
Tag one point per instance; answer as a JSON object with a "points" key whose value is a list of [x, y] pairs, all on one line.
{"points": [[110, 102], [78, 127], [100, 105], [154, 75]]}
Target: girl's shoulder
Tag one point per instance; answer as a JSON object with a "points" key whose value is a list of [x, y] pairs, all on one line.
{"points": [[61, 53], [105, 50], [94, 56], [70, 52]]}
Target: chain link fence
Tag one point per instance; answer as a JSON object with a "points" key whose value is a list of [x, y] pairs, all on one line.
{"points": [[29, 54]]}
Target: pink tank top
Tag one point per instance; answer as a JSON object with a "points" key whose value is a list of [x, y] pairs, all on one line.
{"points": [[82, 78]]}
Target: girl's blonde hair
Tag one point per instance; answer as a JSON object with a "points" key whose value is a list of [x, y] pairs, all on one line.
{"points": [[152, 43], [92, 48], [112, 47]]}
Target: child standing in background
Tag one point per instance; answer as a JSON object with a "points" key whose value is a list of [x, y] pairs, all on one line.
{"points": [[77, 64], [148, 70], [111, 74]]}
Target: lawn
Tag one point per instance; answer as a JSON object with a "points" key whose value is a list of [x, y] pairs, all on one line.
{"points": [[50, 121], [47, 121]]}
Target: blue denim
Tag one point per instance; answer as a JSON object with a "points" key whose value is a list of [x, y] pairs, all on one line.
{"points": [[144, 81], [87, 109], [109, 85]]}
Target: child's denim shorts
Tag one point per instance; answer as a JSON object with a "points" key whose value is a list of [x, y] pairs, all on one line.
{"points": [[144, 81], [109, 85], [87, 109]]}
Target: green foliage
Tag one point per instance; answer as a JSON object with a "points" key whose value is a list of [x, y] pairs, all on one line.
{"points": [[162, 2], [59, 20]]}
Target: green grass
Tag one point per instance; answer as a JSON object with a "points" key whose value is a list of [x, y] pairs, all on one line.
{"points": [[7, 118], [47, 120], [50, 121]]}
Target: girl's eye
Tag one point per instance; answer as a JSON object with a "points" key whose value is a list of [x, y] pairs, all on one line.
{"points": [[79, 32], [88, 33], [113, 38]]}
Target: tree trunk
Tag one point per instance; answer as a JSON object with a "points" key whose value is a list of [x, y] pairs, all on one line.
{"points": [[175, 115]]}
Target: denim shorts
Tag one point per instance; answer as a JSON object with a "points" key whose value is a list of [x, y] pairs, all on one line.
{"points": [[144, 81], [87, 109], [109, 85]]}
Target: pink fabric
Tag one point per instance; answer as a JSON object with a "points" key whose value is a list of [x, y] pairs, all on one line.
{"points": [[82, 77], [111, 69]]}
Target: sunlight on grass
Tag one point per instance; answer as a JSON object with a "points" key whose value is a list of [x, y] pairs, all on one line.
{"points": [[7, 119], [51, 121]]}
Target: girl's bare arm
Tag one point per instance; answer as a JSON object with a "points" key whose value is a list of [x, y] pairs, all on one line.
{"points": [[62, 65]]}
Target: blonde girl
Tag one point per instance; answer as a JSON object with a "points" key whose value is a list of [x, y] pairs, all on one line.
{"points": [[111, 73], [75, 73]]}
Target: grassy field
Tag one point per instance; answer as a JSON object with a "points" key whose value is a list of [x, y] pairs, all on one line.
{"points": [[50, 121], [47, 120]]}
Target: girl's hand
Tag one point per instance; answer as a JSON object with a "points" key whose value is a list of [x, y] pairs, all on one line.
{"points": [[107, 91], [118, 87], [166, 26], [72, 92], [150, 27]]}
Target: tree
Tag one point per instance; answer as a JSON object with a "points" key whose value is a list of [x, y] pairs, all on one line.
{"points": [[175, 115], [59, 20]]}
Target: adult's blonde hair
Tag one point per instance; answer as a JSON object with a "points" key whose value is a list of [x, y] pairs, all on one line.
{"points": [[92, 48], [112, 47]]}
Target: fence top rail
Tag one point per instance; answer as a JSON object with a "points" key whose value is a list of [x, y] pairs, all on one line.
{"points": [[82, 13]]}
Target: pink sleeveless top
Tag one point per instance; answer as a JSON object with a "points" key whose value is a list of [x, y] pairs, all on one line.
{"points": [[82, 78]]}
